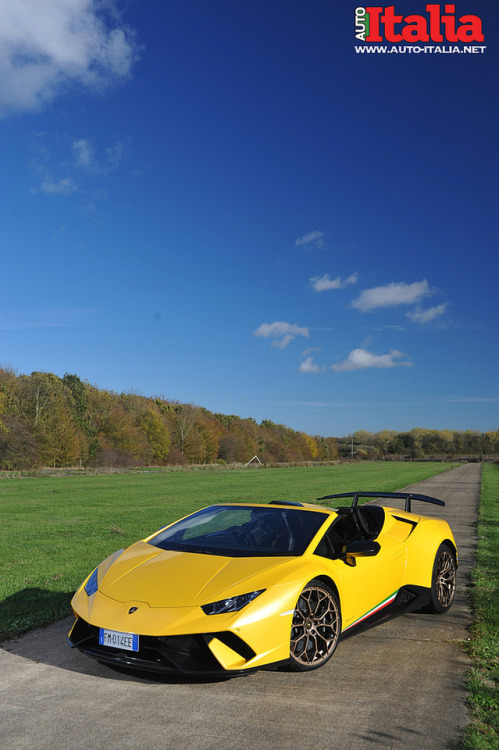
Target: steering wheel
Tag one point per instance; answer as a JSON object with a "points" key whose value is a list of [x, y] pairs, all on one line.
{"points": [[245, 537]]}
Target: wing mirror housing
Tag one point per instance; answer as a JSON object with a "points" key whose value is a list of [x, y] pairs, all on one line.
{"points": [[360, 548], [363, 549]]}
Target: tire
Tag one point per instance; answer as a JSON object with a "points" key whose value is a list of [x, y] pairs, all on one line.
{"points": [[315, 628], [443, 581]]}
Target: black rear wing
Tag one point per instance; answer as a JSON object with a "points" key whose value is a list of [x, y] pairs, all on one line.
{"points": [[407, 496]]}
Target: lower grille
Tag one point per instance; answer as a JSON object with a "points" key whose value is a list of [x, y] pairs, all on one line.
{"points": [[185, 654]]}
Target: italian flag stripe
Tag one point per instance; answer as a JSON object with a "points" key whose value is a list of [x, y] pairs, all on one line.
{"points": [[373, 611]]}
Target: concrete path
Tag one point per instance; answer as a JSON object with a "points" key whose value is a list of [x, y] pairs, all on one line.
{"points": [[399, 685]]}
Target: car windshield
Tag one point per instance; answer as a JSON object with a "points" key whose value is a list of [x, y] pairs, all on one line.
{"points": [[242, 531]]}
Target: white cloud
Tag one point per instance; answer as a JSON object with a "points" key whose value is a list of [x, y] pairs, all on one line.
{"points": [[424, 316], [282, 343], [308, 365], [398, 293], [310, 350], [83, 151], [324, 283], [316, 238], [471, 399], [361, 359], [115, 155], [386, 328], [65, 186], [46, 45], [282, 333], [85, 157]]}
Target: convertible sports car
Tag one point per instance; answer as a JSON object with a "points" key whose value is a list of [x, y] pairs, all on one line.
{"points": [[235, 587]]}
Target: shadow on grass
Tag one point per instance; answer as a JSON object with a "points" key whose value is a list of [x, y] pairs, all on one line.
{"points": [[31, 608], [47, 644]]}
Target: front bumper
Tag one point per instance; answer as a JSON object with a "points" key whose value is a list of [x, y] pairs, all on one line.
{"points": [[180, 654], [185, 639]]}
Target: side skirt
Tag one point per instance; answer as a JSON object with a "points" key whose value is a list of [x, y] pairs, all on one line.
{"points": [[406, 599]]}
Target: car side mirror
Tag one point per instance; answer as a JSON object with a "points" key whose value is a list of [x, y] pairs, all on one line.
{"points": [[363, 549]]}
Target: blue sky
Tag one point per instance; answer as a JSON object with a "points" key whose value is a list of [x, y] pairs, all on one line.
{"points": [[223, 203]]}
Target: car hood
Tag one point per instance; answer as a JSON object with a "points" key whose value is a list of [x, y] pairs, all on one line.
{"points": [[164, 578]]}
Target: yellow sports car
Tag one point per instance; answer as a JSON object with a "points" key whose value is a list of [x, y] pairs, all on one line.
{"points": [[235, 587]]}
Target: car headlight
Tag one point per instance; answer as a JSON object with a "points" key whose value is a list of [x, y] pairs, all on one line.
{"points": [[92, 585], [232, 604]]}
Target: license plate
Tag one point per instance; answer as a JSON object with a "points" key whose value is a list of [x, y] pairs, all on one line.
{"points": [[125, 641]]}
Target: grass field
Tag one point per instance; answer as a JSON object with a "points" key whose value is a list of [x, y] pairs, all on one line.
{"points": [[54, 530], [483, 682]]}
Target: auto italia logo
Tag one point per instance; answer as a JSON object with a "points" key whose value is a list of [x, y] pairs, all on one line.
{"points": [[439, 29]]}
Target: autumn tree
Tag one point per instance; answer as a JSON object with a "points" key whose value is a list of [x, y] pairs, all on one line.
{"points": [[44, 407], [184, 421], [155, 429]]}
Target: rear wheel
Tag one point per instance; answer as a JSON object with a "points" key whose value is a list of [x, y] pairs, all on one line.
{"points": [[315, 628], [443, 583]]}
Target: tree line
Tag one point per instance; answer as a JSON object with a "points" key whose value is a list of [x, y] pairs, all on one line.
{"points": [[46, 420], [418, 443]]}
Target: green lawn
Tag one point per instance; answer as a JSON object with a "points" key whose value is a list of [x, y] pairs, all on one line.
{"points": [[54, 530], [483, 682]]}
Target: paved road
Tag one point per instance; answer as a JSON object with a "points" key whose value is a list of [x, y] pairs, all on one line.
{"points": [[397, 686]]}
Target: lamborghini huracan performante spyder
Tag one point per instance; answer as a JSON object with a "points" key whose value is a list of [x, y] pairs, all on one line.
{"points": [[235, 587]]}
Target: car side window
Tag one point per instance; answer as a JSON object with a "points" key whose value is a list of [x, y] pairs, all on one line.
{"points": [[374, 518], [330, 546]]}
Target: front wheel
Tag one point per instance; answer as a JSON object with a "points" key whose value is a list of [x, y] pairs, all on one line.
{"points": [[315, 628], [443, 582]]}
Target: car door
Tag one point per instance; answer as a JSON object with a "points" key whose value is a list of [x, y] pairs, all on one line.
{"points": [[365, 583]]}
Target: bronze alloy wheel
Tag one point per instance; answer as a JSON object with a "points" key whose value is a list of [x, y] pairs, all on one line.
{"points": [[445, 578], [443, 582], [315, 628]]}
